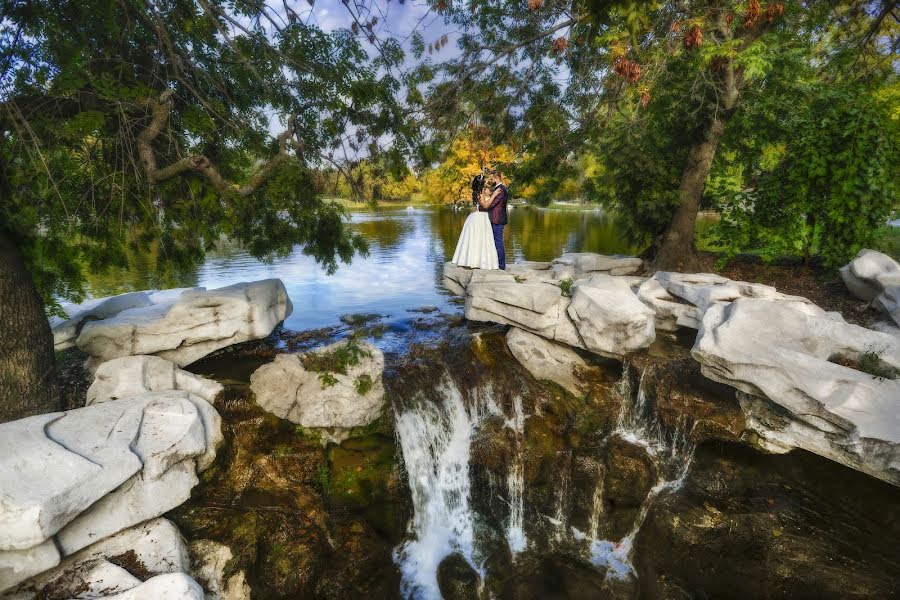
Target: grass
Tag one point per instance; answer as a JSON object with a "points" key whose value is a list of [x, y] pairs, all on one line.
{"points": [[337, 360], [870, 362], [566, 286], [887, 240], [363, 384]]}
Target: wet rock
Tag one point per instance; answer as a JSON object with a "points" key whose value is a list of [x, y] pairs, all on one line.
{"points": [[770, 350], [457, 579], [133, 375], [115, 564], [875, 277], [750, 525], [89, 473], [360, 319], [630, 473], [190, 326], [546, 360], [556, 577], [339, 386], [209, 561]]}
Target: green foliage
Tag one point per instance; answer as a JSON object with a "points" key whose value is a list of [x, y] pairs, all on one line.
{"points": [[566, 286], [363, 384], [75, 92], [338, 360], [870, 362], [327, 379]]}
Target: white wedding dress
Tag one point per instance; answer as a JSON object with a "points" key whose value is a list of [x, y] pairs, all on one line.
{"points": [[475, 247]]}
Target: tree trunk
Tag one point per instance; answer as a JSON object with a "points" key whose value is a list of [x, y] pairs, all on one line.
{"points": [[27, 359], [676, 250]]}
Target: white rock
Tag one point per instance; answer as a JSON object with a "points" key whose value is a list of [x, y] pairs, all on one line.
{"points": [[156, 546], [18, 565], [209, 561], [135, 501], [875, 277], [456, 278], [545, 359], [52, 467], [134, 375], [286, 389], [66, 330], [772, 350], [187, 329], [610, 319], [175, 586], [590, 262]]}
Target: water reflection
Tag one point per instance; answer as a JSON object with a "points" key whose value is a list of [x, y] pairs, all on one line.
{"points": [[402, 271]]}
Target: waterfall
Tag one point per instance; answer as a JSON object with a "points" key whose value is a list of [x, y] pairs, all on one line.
{"points": [[435, 439], [596, 506], [515, 483], [637, 423], [561, 513], [435, 444]]}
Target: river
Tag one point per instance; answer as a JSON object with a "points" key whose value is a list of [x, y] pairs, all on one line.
{"points": [[402, 271]]}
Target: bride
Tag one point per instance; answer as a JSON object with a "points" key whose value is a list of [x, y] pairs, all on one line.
{"points": [[475, 247]]}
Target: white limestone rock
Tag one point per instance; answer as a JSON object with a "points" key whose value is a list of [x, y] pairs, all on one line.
{"points": [[209, 559], [156, 547], [456, 278], [773, 350], [875, 277], [589, 262], [610, 319], [66, 330], [175, 586], [188, 328], [288, 390], [89, 473], [546, 360], [134, 375]]}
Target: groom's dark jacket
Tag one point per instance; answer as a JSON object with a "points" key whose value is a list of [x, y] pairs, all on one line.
{"points": [[497, 209]]}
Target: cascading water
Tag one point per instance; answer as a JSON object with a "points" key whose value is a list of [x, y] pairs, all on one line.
{"points": [[435, 444], [638, 424], [435, 440], [515, 484]]}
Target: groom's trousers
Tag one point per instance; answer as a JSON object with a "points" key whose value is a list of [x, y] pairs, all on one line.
{"points": [[498, 242]]}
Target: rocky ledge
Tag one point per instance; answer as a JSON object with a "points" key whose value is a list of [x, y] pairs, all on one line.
{"points": [[806, 378]]}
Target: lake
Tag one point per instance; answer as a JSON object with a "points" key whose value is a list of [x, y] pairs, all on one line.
{"points": [[408, 248]]}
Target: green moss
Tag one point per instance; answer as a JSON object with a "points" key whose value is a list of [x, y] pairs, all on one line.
{"points": [[870, 362], [327, 379], [566, 286], [337, 360], [363, 384]]}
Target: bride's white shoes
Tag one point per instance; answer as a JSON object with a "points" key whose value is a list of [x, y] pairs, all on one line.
{"points": [[475, 247]]}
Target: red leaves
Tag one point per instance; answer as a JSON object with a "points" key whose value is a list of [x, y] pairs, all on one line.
{"points": [[645, 97], [535, 4], [752, 16], [560, 44], [693, 38], [628, 69], [774, 10], [676, 27], [729, 19]]}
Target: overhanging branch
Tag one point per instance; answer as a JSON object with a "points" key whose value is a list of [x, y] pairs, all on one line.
{"points": [[160, 109]]}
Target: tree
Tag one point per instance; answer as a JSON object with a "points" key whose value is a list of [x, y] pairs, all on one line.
{"points": [[649, 87], [468, 153], [126, 123]]}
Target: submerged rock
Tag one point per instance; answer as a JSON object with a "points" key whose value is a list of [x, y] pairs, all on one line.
{"points": [[189, 327], [209, 561], [133, 375], [457, 579], [336, 386], [773, 351], [875, 277]]}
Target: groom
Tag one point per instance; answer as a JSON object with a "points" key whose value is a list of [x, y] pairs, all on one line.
{"points": [[495, 205]]}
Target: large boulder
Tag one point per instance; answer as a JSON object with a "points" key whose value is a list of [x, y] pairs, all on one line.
{"points": [[70, 479], [589, 262], [134, 375], [681, 299], [875, 277], [111, 565], [338, 386], [808, 367], [546, 360], [66, 329], [610, 318], [189, 327]]}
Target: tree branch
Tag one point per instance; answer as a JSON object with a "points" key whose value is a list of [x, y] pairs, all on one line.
{"points": [[160, 109]]}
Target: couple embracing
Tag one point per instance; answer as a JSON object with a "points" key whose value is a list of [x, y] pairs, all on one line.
{"points": [[480, 244]]}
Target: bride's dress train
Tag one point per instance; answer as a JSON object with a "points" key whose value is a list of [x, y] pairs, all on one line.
{"points": [[475, 247]]}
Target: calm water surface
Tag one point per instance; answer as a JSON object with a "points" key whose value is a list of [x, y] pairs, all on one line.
{"points": [[402, 272]]}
